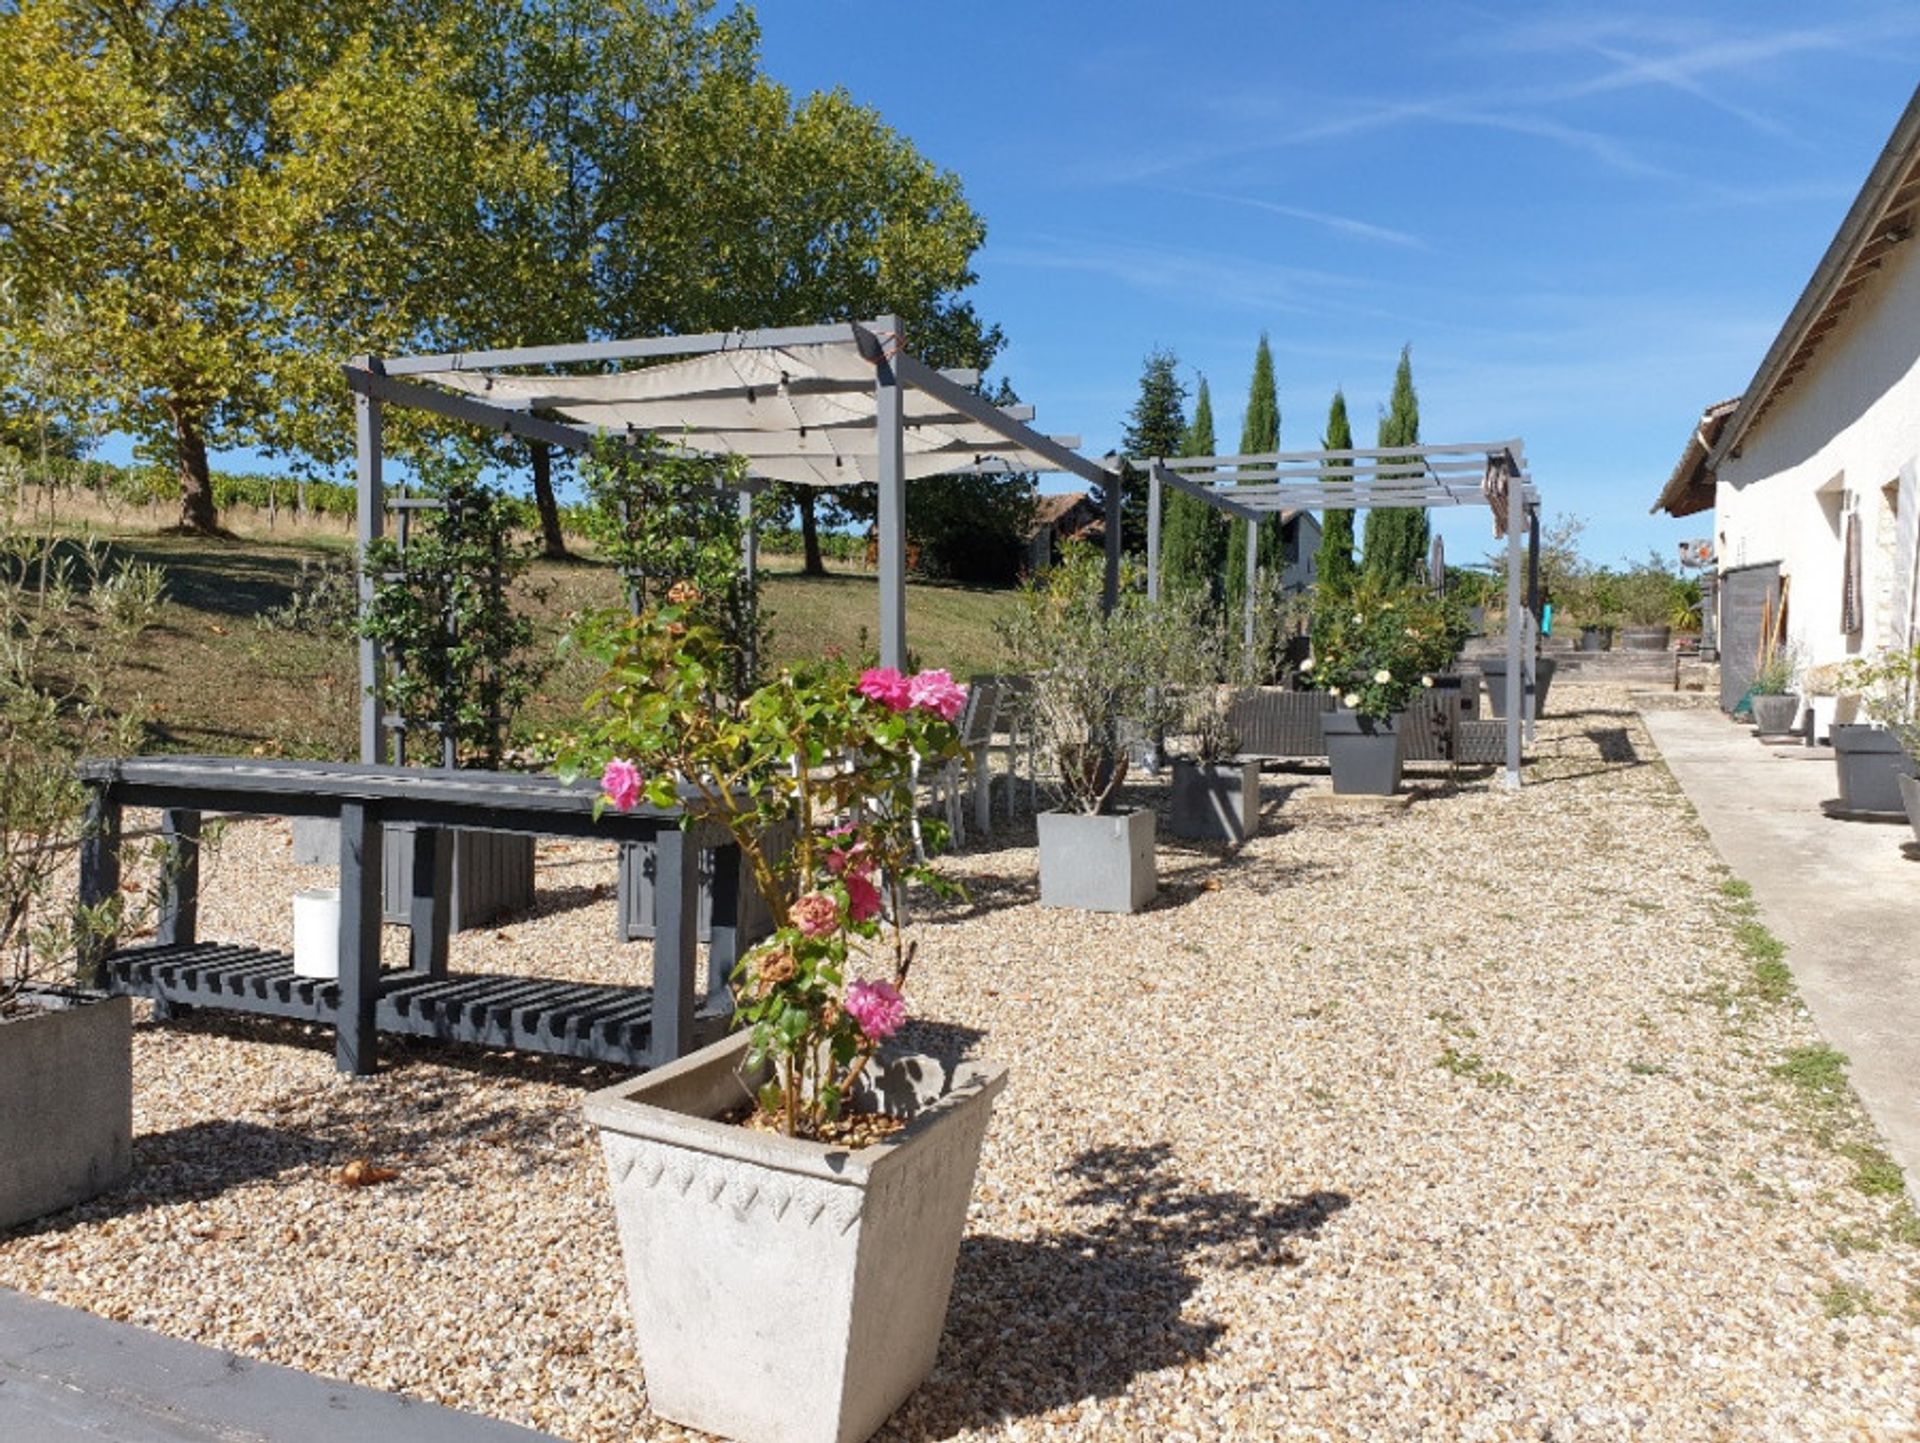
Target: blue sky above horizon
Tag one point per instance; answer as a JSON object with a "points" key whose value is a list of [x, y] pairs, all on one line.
{"points": [[1588, 222]]}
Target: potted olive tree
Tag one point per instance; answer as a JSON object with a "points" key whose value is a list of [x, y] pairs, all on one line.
{"points": [[791, 1198], [1374, 647], [1875, 758], [1095, 671], [1771, 698], [1216, 793], [71, 619]]}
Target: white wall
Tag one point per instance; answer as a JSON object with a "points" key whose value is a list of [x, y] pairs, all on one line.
{"points": [[1848, 427]]}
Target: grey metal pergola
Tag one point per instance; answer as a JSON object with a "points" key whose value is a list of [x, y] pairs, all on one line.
{"points": [[1255, 488], [824, 405]]}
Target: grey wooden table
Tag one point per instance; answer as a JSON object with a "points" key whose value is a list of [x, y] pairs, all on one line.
{"points": [[637, 1026]]}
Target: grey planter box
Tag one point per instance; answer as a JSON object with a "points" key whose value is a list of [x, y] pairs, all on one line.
{"points": [[1365, 753], [1217, 801], [66, 1102], [1097, 864], [1870, 763], [1493, 671], [492, 871], [639, 898], [1774, 713], [786, 1291], [1910, 795]]}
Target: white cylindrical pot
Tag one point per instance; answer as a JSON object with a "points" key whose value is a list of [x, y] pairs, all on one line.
{"points": [[316, 933]]}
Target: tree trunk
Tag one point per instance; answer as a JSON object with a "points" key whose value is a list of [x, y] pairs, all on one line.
{"points": [[197, 513], [553, 545], [810, 534]]}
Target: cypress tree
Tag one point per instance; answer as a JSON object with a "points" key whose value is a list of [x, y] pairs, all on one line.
{"points": [[1259, 432], [1194, 542], [1335, 568], [1397, 537], [1155, 426]]}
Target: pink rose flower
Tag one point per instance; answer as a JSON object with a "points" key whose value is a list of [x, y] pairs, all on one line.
{"points": [[863, 898], [621, 782], [816, 914], [937, 692], [878, 1008], [886, 686]]}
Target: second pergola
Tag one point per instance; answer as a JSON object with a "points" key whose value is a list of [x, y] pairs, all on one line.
{"points": [[1261, 488]]}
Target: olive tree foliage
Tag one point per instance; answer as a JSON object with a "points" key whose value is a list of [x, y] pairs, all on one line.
{"points": [[71, 619], [223, 200]]}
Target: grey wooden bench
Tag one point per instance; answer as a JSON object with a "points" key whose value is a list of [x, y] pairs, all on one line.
{"points": [[629, 1026]]}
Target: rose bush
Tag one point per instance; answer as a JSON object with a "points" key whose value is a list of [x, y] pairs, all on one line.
{"points": [[831, 754], [1374, 647]]}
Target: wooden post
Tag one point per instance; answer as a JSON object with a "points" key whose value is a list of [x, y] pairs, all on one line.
{"points": [[99, 878], [179, 877], [1116, 487], [890, 523], [1253, 579], [676, 929], [1154, 500], [1516, 611], [356, 1039]]}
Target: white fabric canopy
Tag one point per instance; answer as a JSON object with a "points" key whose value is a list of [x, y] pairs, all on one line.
{"points": [[803, 414]]}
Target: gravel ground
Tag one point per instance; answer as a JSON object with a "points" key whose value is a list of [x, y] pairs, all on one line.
{"points": [[1458, 1122]]}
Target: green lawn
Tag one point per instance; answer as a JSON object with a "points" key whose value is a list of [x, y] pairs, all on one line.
{"points": [[216, 679]]}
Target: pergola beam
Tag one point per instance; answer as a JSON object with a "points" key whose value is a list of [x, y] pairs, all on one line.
{"points": [[369, 382], [634, 349], [925, 379]]}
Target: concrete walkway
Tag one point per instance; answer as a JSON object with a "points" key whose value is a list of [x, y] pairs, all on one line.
{"points": [[67, 1376], [1844, 897]]}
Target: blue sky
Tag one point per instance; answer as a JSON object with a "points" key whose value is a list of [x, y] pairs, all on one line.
{"points": [[1588, 221]]}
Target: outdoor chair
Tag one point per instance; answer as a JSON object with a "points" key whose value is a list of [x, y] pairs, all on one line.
{"points": [[1274, 722]]}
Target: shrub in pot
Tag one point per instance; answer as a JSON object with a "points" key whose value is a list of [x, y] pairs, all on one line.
{"points": [[1092, 669], [1871, 757], [1216, 794], [1373, 648], [791, 1198], [72, 619], [1771, 697]]}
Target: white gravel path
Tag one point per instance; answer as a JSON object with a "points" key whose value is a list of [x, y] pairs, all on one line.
{"points": [[1452, 1123]]}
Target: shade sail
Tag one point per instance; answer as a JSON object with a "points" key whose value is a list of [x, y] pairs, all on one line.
{"points": [[802, 413]]}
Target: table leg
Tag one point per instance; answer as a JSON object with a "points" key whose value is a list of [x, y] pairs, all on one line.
{"points": [[676, 933], [179, 877], [99, 883], [356, 1048], [723, 943], [430, 908]]}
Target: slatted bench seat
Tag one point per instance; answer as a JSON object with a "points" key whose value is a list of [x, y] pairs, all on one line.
{"points": [[627, 1026]]}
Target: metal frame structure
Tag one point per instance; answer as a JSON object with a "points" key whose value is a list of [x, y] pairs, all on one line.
{"points": [[519, 392], [1474, 473]]}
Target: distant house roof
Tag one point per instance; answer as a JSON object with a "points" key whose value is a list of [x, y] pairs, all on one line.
{"points": [[1882, 216], [1049, 510], [1690, 487]]}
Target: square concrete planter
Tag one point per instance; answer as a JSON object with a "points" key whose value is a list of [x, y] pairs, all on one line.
{"points": [[1870, 762], [1097, 864], [1216, 801], [1774, 713], [492, 871], [66, 1101], [787, 1291], [1364, 753], [1493, 671]]}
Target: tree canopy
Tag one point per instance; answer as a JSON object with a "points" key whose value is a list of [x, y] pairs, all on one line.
{"points": [[1154, 428], [1397, 536], [1259, 433], [1335, 568], [1193, 546]]}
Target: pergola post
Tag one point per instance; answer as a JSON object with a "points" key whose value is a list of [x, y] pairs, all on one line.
{"points": [[1153, 533], [750, 567], [1253, 578], [1517, 680], [370, 514], [1110, 585], [890, 525], [1532, 692]]}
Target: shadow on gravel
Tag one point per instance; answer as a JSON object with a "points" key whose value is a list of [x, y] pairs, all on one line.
{"points": [[1037, 1324]]}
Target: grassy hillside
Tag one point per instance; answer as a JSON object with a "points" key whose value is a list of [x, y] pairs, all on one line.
{"points": [[217, 677]]}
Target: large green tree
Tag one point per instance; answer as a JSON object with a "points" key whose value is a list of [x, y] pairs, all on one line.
{"points": [[1154, 428], [1335, 568], [1397, 536], [1259, 433], [222, 200], [1193, 547]]}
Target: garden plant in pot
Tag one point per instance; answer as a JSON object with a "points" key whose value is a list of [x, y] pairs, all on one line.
{"points": [[1374, 647], [790, 1198], [1875, 759], [72, 619], [1601, 607], [1775, 706], [1095, 673], [1216, 794]]}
